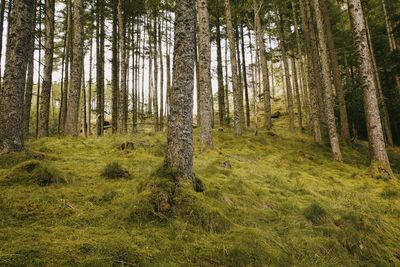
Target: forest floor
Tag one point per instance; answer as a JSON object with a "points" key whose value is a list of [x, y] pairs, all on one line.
{"points": [[275, 199]]}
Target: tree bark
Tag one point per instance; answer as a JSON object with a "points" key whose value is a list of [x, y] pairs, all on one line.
{"points": [[371, 106], [328, 92], [48, 69], [344, 122], [179, 156], [12, 91], [237, 93], [71, 125], [264, 65], [204, 75]]}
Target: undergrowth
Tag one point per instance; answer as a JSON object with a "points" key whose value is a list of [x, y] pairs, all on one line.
{"points": [[275, 199]]}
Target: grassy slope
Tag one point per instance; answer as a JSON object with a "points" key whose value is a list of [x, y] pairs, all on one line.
{"points": [[283, 202]]}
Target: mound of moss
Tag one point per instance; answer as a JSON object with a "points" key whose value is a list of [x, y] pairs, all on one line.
{"points": [[34, 172], [114, 170]]}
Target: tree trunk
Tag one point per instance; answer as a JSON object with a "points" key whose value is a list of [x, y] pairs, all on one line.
{"points": [[289, 91], [204, 75], [71, 125], [29, 79], [220, 75], [329, 105], [48, 69], [66, 58], [179, 156], [264, 65], [312, 68], [122, 104], [246, 87], [115, 70], [344, 123], [12, 91], [374, 126], [100, 38], [237, 93]]}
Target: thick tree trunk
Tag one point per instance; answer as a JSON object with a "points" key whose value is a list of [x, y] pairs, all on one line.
{"points": [[204, 75], [237, 92], [179, 155], [48, 69], [264, 65], [71, 125], [371, 106], [12, 91]]}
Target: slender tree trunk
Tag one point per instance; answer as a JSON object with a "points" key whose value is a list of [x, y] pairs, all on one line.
{"points": [[371, 106], [156, 84], [312, 68], [204, 75], [90, 82], [122, 104], [12, 91], [264, 65], [100, 38], [179, 156], [48, 69], [29, 79], [71, 125], [228, 118], [297, 91], [237, 93], [381, 98], [287, 72], [329, 105], [246, 87], [220, 75], [39, 69], [115, 70], [160, 49], [254, 85], [344, 123], [66, 58]]}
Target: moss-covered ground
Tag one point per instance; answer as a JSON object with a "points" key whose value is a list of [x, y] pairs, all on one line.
{"points": [[275, 199]]}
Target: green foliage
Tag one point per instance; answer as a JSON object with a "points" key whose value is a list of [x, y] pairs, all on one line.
{"points": [[114, 170]]}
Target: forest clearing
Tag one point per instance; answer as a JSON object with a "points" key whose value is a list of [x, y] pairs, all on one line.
{"points": [[199, 133]]}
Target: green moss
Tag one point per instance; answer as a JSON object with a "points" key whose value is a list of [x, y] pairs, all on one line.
{"points": [[34, 172], [268, 200]]}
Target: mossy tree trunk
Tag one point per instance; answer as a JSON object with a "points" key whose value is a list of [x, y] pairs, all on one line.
{"points": [[179, 155]]}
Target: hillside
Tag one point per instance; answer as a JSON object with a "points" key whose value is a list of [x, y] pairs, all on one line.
{"points": [[275, 199]]}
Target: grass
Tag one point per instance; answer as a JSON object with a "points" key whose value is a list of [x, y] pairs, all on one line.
{"points": [[275, 199]]}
